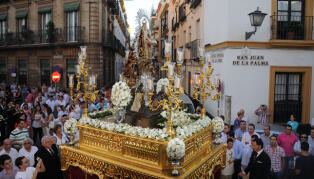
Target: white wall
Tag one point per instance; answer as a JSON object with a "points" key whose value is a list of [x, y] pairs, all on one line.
{"points": [[228, 20], [248, 86]]}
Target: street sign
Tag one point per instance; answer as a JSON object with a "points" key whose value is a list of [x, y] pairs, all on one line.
{"points": [[56, 77]]}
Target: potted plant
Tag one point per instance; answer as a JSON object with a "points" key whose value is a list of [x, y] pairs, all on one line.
{"points": [[294, 29], [50, 29]]}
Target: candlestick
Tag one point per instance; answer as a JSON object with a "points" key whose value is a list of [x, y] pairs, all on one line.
{"points": [[208, 58], [177, 82], [71, 79], [216, 80], [168, 44]]}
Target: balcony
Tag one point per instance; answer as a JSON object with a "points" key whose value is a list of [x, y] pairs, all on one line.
{"points": [[182, 13], [29, 38], [194, 3], [292, 27], [111, 41]]}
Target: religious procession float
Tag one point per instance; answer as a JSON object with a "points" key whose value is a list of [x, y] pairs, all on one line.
{"points": [[148, 133]]}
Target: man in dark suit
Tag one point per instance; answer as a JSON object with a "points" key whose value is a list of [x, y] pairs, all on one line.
{"points": [[50, 159], [260, 164]]}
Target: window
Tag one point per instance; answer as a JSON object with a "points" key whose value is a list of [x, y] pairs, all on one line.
{"points": [[72, 29], [22, 72], [45, 19], [71, 69], [3, 29], [190, 34], [3, 70], [198, 30], [290, 10], [45, 71]]}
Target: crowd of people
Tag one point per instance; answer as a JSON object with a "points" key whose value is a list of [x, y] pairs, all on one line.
{"points": [[31, 128], [266, 155]]}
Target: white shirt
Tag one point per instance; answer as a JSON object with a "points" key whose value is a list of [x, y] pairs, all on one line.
{"points": [[61, 113], [51, 89], [13, 154], [61, 103], [91, 107], [246, 138], [66, 98], [297, 147], [29, 155], [259, 153], [75, 115], [51, 104], [27, 174], [61, 141], [223, 138], [228, 170]]}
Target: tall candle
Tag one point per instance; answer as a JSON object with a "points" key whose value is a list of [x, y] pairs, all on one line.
{"points": [[208, 58], [167, 47], [180, 54], [83, 51], [216, 80], [90, 81], [78, 69], [170, 69], [150, 84], [201, 50], [178, 82], [71, 79], [95, 79]]}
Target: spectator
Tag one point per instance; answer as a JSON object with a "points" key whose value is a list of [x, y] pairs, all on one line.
{"points": [[237, 149], [246, 139], [246, 155], [36, 124], [50, 160], [25, 171], [277, 158], [244, 118], [263, 114], [51, 102], [237, 121], [223, 137], [228, 170], [297, 145], [304, 164], [8, 150], [51, 90], [266, 136], [19, 134], [240, 131], [28, 150], [311, 140], [61, 137], [286, 140], [259, 165], [293, 123], [9, 171], [47, 118]]}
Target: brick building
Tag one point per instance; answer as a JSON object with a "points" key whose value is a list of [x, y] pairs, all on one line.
{"points": [[38, 37]]}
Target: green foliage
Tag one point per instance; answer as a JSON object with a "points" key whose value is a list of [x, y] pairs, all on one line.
{"points": [[100, 115]]}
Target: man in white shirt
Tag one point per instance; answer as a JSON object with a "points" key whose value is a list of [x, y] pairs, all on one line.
{"points": [[25, 171], [60, 101], [246, 139], [51, 102], [228, 170], [8, 150]]}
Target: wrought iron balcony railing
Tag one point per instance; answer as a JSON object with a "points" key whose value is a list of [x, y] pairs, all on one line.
{"points": [[292, 27], [73, 34]]}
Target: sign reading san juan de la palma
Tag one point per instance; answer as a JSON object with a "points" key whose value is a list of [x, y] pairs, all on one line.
{"points": [[252, 60]]}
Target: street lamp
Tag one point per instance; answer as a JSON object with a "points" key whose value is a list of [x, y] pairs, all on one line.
{"points": [[256, 18]]}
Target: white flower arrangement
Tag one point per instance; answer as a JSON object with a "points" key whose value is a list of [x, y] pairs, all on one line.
{"points": [[121, 94], [70, 126], [179, 118], [218, 125], [158, 134], [192, 128], [163, 83], [182, 132], [175, 149]]}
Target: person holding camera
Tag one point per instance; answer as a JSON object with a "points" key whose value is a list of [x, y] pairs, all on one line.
{"points": [[263, 114]]}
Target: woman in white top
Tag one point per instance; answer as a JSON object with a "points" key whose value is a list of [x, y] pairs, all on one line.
{"points": [[27, 172], [73, 113], [36, 125], [61, 137], [48, 117], [28, 151]]}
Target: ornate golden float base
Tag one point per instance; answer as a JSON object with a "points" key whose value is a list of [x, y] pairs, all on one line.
{"points": [[110, 154]]}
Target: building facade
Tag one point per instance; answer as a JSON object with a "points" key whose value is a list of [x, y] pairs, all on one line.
{"points": [[40, 37], [272, 67]]}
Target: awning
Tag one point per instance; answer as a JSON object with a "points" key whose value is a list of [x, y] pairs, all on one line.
{"points": [[3, 17], [46, 10], [71, 7], [21, 15]]}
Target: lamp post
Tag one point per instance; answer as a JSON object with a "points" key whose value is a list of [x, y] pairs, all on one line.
{"points": [[256, 18]]}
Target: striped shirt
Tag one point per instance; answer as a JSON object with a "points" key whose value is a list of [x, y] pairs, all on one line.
{"points": [[18, 135]]}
